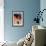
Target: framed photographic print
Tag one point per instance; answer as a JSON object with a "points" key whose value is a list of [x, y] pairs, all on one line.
{"points": [[18, 18]]}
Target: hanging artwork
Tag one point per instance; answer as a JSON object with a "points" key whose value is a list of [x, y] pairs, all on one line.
{"points": [[18, 18]]}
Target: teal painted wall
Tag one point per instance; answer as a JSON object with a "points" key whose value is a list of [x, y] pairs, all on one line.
{"points": [[29, 7]]}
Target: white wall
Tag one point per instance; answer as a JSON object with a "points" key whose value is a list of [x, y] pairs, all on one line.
{"points": [[1, 20]]}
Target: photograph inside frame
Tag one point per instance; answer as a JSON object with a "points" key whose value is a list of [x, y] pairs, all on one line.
{"points": [[18, 18]]}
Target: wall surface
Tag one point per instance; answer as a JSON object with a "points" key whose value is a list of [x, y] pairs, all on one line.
{"points": [[30, 7], [1, 20], [43, 6]]}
